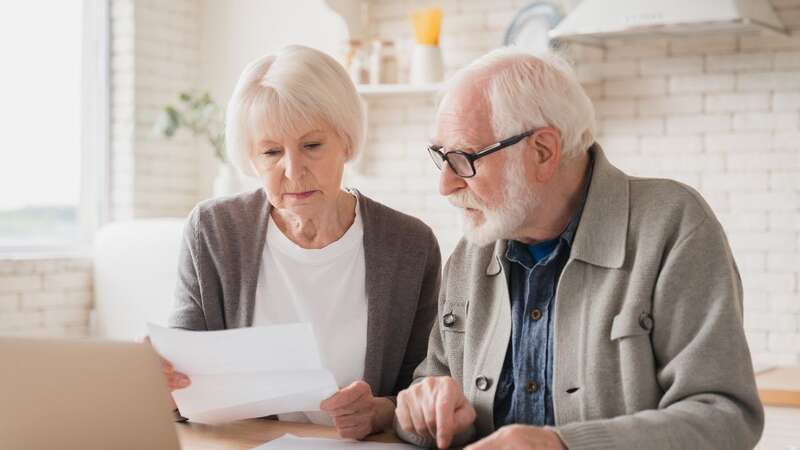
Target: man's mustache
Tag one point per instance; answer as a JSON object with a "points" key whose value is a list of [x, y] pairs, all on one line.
{"points": [[465, 199]]}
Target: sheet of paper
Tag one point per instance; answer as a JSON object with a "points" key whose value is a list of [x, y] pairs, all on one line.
{"points": [[245, 372], [292, 442]]}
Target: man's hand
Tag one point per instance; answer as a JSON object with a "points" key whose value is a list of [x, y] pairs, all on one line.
{"points": [[519, 436], [356, 413], [435, 408]]}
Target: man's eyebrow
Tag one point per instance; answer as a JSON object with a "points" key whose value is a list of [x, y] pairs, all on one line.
{"points": [[462, 145]]}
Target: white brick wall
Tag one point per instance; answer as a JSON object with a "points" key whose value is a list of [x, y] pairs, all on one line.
{"points": [[721, 113], [45, 297], [155, 55]]}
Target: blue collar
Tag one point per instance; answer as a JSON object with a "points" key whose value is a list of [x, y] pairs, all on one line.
{"points": [[530, 255]]}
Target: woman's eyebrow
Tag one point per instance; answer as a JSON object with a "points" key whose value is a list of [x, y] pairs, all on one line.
{"points": [[310, 132], [266, 141]]}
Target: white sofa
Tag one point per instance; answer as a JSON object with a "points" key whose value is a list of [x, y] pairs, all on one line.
{"points": [[135, 271]]}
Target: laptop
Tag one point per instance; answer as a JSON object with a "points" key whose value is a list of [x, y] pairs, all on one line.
{"points": [[83, 394]]}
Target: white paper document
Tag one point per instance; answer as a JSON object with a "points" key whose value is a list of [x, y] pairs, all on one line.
{"points": [[292, 442], [245, 372]]}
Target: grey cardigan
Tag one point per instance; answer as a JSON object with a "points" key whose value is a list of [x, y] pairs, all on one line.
{"points": [[649, 347], [221, 255]]}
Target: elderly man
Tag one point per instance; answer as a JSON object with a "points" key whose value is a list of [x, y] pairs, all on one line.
{"points": [[585, 308]]}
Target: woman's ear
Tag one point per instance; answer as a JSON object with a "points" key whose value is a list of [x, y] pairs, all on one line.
{"points": [[348, 146]]}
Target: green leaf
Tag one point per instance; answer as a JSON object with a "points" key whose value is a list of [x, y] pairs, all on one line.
{"points": [[200, 115], [174, 120], [168, 122]]}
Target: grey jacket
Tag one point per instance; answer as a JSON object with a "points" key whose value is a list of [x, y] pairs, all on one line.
{"points": [[649, 347], [221, 255]]}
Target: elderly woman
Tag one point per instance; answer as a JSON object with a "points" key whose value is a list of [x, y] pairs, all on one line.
{"points": [[303, 249]]}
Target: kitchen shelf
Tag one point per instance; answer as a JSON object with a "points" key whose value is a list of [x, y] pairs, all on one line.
{"points": [[378, 90]]}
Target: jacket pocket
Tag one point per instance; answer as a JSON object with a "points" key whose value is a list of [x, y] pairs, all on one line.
{"points": [[633, 322], [452, 322]]}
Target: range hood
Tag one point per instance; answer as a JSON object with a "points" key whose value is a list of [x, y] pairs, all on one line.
{"points": [[593, 21]]}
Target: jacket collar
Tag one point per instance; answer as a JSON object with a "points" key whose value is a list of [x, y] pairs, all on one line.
{"points": [[603, 229]]}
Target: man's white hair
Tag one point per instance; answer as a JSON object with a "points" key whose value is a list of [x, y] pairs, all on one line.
{"points": [[527, 91], [283, 93]]}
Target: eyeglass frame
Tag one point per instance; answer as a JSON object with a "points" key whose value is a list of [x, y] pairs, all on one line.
{"points": [[472, 157]]}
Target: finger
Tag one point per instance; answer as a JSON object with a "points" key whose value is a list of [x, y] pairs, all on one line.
{"points": [[429, 412], [344, 412], [351, 420], [360, 405], [357, 432], [463, 417], [402, 412], [177, 386], [418, 420], [444, 421], [341, 412], [178, 381], [346, 396], [180, 375]]}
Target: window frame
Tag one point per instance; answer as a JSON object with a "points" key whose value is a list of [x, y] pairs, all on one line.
{"points": [[93, 206]]}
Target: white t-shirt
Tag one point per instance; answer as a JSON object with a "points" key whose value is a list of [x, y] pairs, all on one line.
{"points": [[324, 287]]}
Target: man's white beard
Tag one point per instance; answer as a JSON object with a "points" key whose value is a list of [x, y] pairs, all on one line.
{"points": [[502, 222]]}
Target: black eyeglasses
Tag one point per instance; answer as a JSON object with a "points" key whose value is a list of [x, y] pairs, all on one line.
{"points": [[463, 163]]}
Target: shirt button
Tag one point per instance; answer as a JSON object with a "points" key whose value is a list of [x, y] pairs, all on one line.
{"points": [[482, 383], [646, 321], [449, 320], [531, 387], [536, 314]]}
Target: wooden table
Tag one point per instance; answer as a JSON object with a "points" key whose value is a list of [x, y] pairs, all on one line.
{"points": [[779, 389], [779, 386], [776, 387], [247, 434]]}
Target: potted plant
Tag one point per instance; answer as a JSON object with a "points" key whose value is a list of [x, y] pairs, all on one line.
{"points": [[200, 114]]}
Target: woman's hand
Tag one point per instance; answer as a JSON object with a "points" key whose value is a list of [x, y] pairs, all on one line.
{"points": [[175, 380], [356, 413]]}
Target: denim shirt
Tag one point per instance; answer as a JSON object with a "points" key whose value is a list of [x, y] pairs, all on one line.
{"points": [[524, 391]]}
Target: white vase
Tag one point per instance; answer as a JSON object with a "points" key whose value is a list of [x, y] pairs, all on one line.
{"points": [[426, 64], [226, 181]]}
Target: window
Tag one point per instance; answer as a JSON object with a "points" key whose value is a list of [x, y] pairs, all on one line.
{"points": [[53, 110]]}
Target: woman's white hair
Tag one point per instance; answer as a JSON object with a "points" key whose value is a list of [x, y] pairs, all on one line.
{"points": [[527, 91], [287, 92]]}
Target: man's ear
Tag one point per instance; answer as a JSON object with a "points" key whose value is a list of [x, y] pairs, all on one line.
{"points": [[545, 147]]}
